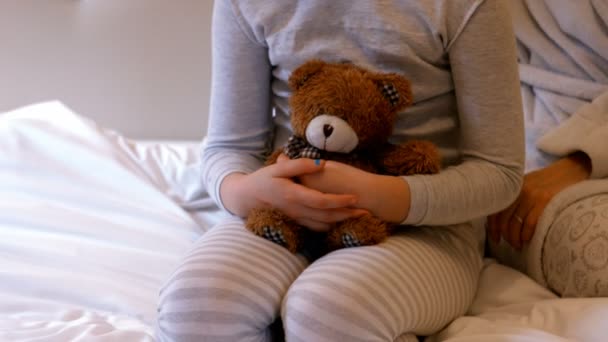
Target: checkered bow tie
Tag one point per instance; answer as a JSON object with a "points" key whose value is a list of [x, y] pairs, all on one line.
{"points": [[299, 148]]}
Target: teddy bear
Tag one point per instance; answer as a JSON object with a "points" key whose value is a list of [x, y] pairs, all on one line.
{"points": [[346, 113]]}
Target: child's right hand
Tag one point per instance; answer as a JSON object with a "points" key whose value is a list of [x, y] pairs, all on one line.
{"points": [[272, 186]]}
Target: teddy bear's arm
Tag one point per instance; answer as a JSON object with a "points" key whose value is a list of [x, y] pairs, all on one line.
{"points": [[272, 158], [412, 157]]}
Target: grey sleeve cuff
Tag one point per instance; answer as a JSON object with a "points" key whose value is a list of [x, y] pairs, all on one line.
{"points": [[418, 200], [586, 131], [221, 164]]}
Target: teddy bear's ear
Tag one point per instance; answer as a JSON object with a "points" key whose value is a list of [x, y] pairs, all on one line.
{"points": [[304, 72], [395, 88]]}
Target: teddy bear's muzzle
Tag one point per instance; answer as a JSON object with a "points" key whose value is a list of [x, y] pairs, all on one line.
{"points": [[332, 134]]}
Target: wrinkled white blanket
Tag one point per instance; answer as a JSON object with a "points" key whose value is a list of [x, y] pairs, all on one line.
{"points": [[90, 226], [510, 307]]}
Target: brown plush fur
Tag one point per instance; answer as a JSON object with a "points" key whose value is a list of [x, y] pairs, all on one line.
{"points": [[354, 95]]}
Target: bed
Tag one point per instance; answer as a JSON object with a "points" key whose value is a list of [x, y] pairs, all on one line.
{"points": [[91, 223]]}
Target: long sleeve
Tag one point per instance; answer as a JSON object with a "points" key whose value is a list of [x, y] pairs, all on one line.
{"points": [[240, 123], [484, 68]]}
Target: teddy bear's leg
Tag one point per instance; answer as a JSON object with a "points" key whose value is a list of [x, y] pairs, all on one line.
{"points": [[275, 226], [360, 231]]}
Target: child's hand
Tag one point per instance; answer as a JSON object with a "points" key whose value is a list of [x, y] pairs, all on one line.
{"points": [[387, 197], [272, 186]]}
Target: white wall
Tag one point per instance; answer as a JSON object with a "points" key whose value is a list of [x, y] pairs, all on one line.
{"points": [[141, 67]]}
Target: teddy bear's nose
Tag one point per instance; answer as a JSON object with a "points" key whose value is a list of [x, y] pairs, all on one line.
{"points": [[327, 130]]}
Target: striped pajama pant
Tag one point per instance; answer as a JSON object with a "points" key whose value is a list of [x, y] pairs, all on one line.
{"points": [[232, 286]]}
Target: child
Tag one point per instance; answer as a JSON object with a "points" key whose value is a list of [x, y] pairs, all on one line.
{"points": [[460, 58]]}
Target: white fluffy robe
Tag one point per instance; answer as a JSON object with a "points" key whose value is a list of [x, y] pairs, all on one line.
{"points": [[563, 55]]}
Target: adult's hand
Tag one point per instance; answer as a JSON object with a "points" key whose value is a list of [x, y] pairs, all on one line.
{"points": [[517, 223]]}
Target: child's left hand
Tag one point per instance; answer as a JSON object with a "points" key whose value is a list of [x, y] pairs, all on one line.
{"points": [[386, 197]]}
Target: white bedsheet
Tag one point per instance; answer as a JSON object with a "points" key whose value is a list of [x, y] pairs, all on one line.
{"points": [[92, 223], [89, 227], [511, 307]]}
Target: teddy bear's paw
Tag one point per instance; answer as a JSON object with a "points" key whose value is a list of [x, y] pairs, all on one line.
{"points": [[350, 240], [274, 235], [286, 237], [361, 231], [344, 239], [274, 226], [282, 236]]}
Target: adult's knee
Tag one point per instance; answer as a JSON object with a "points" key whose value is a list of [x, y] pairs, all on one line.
{"points": [[575, 254]]}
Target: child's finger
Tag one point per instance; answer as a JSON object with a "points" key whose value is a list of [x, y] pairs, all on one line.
{"points": [[314, 225], [319, 200], [320, 220], [296, 167], [281, 158], [330, 215]]}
